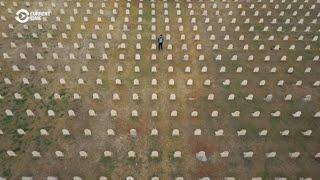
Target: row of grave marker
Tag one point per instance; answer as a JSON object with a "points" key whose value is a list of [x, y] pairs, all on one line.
{"points": [[176, 154], [175, 132]]}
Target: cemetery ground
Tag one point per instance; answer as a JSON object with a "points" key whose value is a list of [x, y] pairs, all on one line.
{"points": [[95, 109]]}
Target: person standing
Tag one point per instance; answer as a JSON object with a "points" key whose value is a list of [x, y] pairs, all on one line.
{"points": [[160, 42]]}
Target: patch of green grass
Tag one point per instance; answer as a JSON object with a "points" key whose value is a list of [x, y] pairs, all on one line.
{"points": [[252, 129], [43, 143], [131, 161], [105, 84], [264, 174], [51, 104], [300, 143], [19, 121], [129, 81], [274, 122], [110, 169], [134, 118], [28, 89], [4, 90], [147, 15], [29, 37], [170, 155], [15, 137], [104, 160], [19, 103], [2, 154], [6, 120], [6, 173], [58, 106], [273, 162], [18, 148], [292, 148], [22, 123]]}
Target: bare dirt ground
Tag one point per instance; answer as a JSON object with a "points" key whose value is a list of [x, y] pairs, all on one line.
{"points": [[188, 98]]}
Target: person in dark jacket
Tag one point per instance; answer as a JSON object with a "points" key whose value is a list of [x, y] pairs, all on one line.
{"points": [[160, 42]]}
